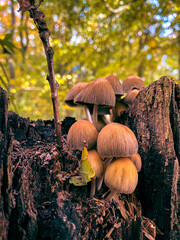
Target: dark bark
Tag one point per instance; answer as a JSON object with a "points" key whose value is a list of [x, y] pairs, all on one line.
{"points": [[4, 169], [154, 118]]}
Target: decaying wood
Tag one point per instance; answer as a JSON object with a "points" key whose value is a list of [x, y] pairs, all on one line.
{"points": [[45, 206], [4, 167], [155, 120]]}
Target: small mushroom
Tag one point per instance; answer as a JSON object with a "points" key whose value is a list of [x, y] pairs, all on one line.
{"points": [[97, 164], [115, 140], [80, 132], [116, 85], [121, 177], [118, 90], [69, 99], [130, 97], [97, 93], [132, 82], [136, 159]]}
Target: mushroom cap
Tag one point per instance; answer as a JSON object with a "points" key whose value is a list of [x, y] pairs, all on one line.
{"points": [[116, 140], [120, 107], [80, 132], [98, 92], [116, 85], [130, 97], [121, 176], [96, 162], [132, 82], [69, 99], [136, 159]]}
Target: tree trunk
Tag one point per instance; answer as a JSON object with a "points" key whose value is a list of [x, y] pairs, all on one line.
{"points": [[155, 120], [45, 206]]}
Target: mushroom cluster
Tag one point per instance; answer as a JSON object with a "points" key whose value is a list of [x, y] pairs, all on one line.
{"points": [[112, 147]]}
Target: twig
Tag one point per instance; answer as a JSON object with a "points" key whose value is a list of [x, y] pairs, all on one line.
{"points": [[38, 17]]}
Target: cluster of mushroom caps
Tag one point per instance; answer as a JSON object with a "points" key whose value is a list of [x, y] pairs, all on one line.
{"points": [[115, 143]]}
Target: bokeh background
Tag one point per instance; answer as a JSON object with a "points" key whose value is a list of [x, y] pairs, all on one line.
{"points": [[90, 39]]}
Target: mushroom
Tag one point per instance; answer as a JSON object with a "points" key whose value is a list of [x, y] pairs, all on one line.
{"points": [[115, 140], [97, 93], [97, 164], [132, 82], [69, 99], [130, 97], [136, 159], [121, 177], [118, 90], [116, 85], [80, 132]]}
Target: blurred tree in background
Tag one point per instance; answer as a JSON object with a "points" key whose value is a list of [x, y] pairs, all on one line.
{"points": [[90, 39]]}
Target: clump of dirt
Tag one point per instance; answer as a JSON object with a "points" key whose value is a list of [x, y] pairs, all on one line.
{"points": [[44, 204]]}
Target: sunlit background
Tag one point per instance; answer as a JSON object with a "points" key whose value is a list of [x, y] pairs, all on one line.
{"points": [[90, 39]]}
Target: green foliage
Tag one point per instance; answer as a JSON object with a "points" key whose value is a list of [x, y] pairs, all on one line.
{"points": [[6, 44], [86, 171], [89, 41]]}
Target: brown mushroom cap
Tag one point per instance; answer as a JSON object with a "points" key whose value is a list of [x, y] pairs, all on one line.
{"points": [[96, 162], [121, 176], [116, 140], [130, 97], [116, 85], [99, 92], [80, 132], [136, 159], [69, 99], [132, 82]]}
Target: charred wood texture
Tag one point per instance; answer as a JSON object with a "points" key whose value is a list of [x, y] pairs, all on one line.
{"points": [[154, 118], [5, 176], [37, 201]]}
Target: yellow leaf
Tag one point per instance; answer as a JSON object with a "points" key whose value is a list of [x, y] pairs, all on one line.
{"points": [[86, 171]]}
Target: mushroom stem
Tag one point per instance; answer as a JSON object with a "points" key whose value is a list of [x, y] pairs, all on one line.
{"points": [[93, 187], [88, 114], [113, 116], [100, 180], [105, 119], [95, 113], [111, 196]]}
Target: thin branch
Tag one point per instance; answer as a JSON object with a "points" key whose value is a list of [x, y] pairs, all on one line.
{"points": [[38, 17]]}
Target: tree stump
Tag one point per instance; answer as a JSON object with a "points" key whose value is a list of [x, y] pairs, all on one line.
{"points": [[37, 201], [155, 120]]}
